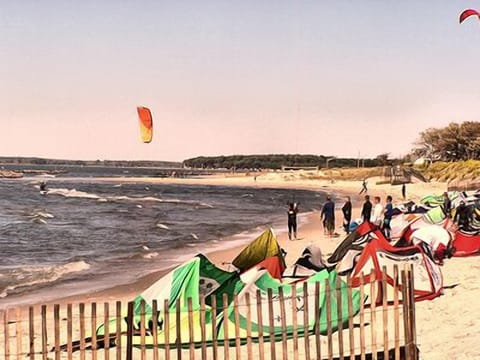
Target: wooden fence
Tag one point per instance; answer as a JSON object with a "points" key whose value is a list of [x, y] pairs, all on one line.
{"points": [[380, 330]]}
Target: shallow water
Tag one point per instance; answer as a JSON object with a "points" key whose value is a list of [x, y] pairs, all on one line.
{"points": [[91, 235]]}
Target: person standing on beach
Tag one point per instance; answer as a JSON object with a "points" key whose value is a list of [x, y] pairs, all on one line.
{"points": [[292, 220], [364, 187], [463, 216], [387, 217], [328, 216], [447, 205], [366, 209], [376, 218], [347, 215], [404, 191]]}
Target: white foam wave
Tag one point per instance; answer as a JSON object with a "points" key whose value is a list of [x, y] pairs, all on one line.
{"points": [[150, 255], [36, 275], [73, 193], [163, 226]]}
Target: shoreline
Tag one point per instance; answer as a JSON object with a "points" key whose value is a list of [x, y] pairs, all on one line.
{"points": [[338, 190]]}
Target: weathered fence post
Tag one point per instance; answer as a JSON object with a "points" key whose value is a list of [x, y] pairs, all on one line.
{"points": [[129, 348]]}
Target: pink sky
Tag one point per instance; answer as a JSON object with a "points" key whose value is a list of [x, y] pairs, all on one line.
{"points": [[327, 77]]}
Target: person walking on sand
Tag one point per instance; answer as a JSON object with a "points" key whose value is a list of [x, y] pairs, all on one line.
{"points": [[366, 209], [328, 216], [347, 215], [387, 217], [404, 191], [292, 220], [364, 187], [377, 215]]}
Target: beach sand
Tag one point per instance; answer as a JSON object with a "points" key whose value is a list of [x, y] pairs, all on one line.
{"points": [[447, 327]]}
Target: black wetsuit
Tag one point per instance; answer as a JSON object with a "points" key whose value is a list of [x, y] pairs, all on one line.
{"points": [[347, 216], [463, 217], [447, 207], [366, 210], [292, 222]]}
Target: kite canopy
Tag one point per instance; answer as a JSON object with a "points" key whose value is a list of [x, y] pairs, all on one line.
{"points": [[199, 277], [467, 13], [146, 124], [262, 247]]}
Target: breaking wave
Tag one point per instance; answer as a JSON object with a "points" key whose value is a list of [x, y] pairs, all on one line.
{"points": [[73, 193], [30, 276]]}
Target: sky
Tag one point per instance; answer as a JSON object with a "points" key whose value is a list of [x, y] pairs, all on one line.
{"points": [[331, 77]]}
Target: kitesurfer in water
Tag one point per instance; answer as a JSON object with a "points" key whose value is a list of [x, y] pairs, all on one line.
{"points": [[292, 220], [43, 186]]}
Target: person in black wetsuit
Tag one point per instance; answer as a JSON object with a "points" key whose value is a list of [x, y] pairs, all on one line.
{"points": [[447, 205], [292, 220], [328, 216], [347, 215], [366, 209], [463, 216], [43, 186]]}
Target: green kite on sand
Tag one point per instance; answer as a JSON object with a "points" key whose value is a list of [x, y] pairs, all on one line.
{"points": [[199, 277]]}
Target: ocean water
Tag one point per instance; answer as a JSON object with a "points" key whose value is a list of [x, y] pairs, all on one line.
{"points": [[91, 235]]}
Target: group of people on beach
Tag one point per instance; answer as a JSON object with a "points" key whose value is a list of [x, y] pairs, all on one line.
{"points": [[376, 213]]}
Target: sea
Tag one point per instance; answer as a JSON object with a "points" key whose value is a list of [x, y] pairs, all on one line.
{"points": [[88, 234]]}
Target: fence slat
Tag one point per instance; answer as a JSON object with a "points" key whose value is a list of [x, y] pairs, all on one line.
{"points": [[306, 322], [178, 328], [118, 329], [31, 332], [261, 341], [191, 339], [225, 326], [338, 290], [18, 329], [412, 313], [294, 322], [6, 333], [328, 297], [153, 329], [130, 330], [283, 320], [56, 326], [373, 313], [44, 332], [106, 326], [69, 332], [213, 301], [166, 329], [81, 310], [271, 323], [396, 312], [236, 314], [249, 326], [362, 317], [385, 313], [406, 325], [351, 334], [143, 350], [203, 329], [94, 330], [317, 320]]}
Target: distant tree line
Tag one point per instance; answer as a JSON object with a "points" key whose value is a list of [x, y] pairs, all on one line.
{"points": [[106, 163], [450, 143], [274, 161]]}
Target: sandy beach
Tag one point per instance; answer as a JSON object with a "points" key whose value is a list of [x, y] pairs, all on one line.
{"points": [[445, 330]]}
